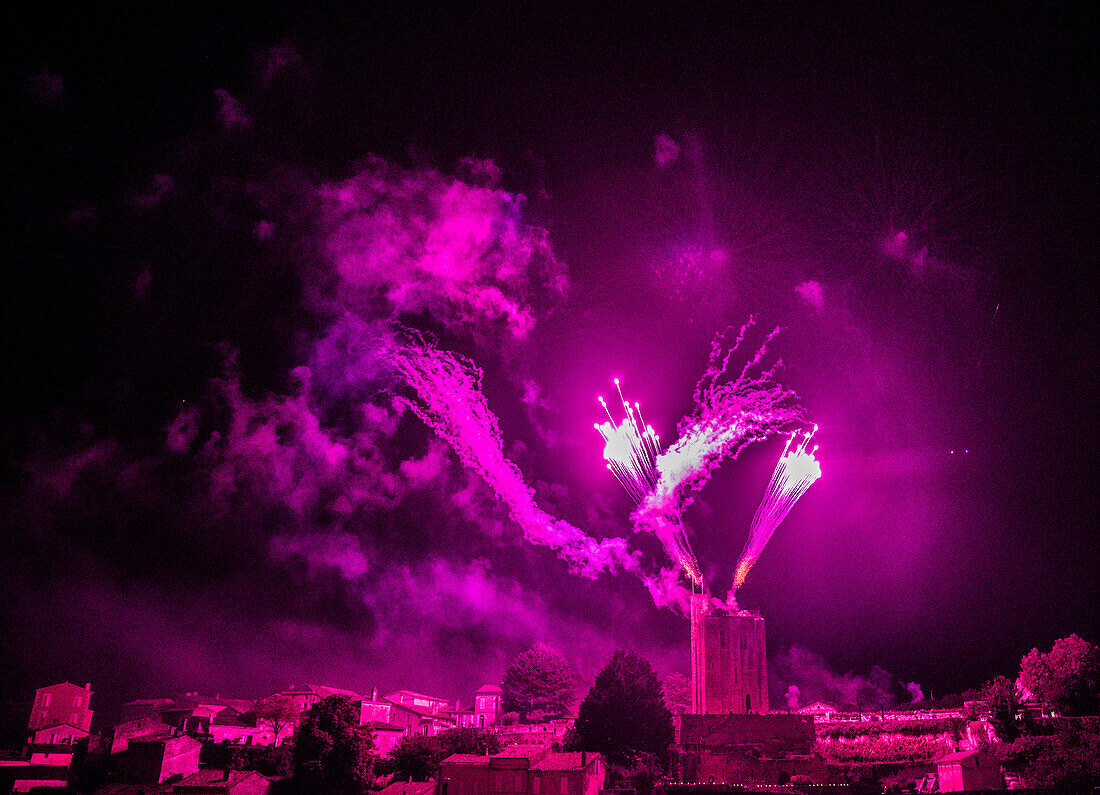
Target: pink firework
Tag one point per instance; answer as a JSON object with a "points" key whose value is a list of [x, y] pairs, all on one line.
{"points": [[729, 415], [631, 448], [796, 471]]}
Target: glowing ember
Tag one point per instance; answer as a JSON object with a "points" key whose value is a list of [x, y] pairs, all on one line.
{"points": [[631, 448], [794, 474]]}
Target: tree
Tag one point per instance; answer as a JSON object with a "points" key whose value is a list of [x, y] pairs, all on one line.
{"points": [[278, 713], [1068, 759], [332, 752], [624, 716], [676, 691], [538, 685], [417, 758], [1000, 693], [1067, 678]]}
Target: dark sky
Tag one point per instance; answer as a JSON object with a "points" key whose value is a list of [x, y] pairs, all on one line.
{"points": [[220, 219]]}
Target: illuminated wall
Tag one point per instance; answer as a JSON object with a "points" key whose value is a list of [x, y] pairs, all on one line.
{"points": [[729, 666]]}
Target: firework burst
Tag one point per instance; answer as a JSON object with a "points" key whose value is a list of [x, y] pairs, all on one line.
{"points": [[795, 472], [631, 448]]}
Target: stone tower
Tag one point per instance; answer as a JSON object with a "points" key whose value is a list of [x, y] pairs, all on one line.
{"points": [[729, 665]]}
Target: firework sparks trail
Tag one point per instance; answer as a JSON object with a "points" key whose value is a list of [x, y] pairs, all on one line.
{"points": [[728, 416], [452, 404], [631, 448], [795, 472]]}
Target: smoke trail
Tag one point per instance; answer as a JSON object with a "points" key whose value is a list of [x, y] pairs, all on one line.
{"points": [[452, 404], [728, 416]]}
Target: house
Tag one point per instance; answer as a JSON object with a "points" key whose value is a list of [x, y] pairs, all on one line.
{"points": [[425, 705], [229, 725], [64, 703], [305, 696], [30, 777], [136, 729], [969, 770], [820, 710], [151, 760], [405, 713], [204, 782], [567, 773], [386, 735], [522, 770], [193, 713], [223, 782]]}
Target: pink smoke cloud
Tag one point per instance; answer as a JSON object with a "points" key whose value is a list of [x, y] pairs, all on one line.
{"points": [[665, 150], [812, 293], [811, 678], [420, 242], [231, 112]]}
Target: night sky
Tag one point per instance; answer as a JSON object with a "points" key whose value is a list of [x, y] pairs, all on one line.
{"points": [[221, 221]]}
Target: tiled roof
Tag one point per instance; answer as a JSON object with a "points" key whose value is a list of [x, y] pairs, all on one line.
{"points": [[409, 788], [489, 689], [564, 760], [465, 759], [211, 776], [521, 750], [381, 726], [414, 694]]}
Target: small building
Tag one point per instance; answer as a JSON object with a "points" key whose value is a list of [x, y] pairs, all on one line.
{"points": [[152, 760], [486, 706], [60, 704], [522, 770], [820, 710], [969, 770], [568, 773]]}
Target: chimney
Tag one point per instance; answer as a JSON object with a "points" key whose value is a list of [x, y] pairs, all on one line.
{"points": [[374, 693], [88, 686]]}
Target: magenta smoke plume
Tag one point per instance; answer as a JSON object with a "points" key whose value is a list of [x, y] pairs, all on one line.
{"points": [[795, 472], [452, 404]]}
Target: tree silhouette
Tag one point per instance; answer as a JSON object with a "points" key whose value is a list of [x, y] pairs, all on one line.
{"points": [[624, 716], [277, 712], [332, 752], [538, 685]]}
